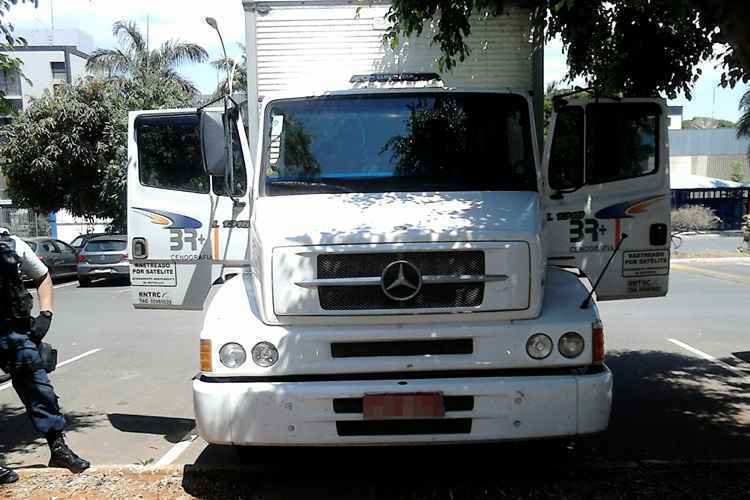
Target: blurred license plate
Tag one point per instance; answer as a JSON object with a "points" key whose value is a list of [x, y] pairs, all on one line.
{"points": [[404, 406]]}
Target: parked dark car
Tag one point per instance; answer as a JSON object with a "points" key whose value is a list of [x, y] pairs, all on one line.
{"points": [[59, 257], [104, 257], [82, 239]]}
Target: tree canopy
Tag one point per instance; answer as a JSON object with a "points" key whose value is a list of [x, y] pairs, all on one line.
{"points": [[239, 80], [69, 150], [707, 122], [633, 47], [136, 60]]}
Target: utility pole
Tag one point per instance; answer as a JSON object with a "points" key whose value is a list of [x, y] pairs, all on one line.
{"points": [[52, 19]]}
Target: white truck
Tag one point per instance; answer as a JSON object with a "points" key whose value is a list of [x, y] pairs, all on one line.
{"points": [[394, 259]]}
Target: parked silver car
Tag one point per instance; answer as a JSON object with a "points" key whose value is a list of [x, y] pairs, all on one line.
{"points": [[104, 257]]}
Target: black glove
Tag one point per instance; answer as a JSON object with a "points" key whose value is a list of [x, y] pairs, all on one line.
{"points": [[40, 326]]}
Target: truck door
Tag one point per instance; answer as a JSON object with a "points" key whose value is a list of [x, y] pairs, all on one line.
{"points": [[184, 232], [606, 169]]}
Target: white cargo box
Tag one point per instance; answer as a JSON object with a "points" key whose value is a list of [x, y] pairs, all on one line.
{"points": [[317, 45]]}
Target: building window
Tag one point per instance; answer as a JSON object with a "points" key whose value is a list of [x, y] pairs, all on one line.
{"points": [[13, 106], [59, 72], [10, 82]]}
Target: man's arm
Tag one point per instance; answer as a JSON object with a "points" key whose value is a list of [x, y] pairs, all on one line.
{"points": [[44, 290], [36, 270]]}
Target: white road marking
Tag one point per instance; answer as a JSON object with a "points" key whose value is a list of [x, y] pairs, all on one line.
{"points": [[176, 450], [66, 284], [708, 357], [60, 365]]}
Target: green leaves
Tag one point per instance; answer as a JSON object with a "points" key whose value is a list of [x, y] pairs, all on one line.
{"points": [[69, 150], [619, 47], [137, 61]]}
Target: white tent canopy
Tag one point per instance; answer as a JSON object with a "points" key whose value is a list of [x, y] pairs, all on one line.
{"points": [[690, 181]]}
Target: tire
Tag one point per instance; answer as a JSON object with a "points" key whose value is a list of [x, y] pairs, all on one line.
{"points": [[84, 282]]}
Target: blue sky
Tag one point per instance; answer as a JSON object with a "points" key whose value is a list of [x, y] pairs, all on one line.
{"points": [[183, 19]]}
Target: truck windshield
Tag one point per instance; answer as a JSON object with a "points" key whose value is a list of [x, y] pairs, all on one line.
{"points": [[404, 142]]}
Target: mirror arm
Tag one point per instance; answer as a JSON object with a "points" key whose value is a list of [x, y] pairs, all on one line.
{"points": [[230, 122]]}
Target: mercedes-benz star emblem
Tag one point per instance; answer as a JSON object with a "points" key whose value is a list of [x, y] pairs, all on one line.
{"points": [[401, 280]]}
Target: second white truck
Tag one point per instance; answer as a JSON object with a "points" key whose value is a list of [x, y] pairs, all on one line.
{"points": [[394, 259]]}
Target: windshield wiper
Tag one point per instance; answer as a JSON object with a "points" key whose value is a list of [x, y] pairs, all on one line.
{"points": [[310, 183]]}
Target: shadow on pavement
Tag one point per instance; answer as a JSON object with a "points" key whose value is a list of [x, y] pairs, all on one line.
{"points": [[18, 437], [174, 430], [669, 406]]}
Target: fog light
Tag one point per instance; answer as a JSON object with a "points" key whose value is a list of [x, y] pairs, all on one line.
{"points": [[539, 346], [265, 354], [571, 345], [232, 355]]}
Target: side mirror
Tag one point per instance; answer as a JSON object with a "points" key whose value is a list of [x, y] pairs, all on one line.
{"points": [[213, 143]]}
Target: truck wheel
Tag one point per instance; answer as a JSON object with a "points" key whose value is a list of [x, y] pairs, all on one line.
{"points": [[83, 282]]}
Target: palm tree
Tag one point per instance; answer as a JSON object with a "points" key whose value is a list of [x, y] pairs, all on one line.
{"points": [[239, 83], [135, 60]]}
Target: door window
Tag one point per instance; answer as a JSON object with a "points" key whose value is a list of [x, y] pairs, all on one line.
{"points": [[63, 247], [169, 153], [49, 247], [566, 156], [621, 142]]}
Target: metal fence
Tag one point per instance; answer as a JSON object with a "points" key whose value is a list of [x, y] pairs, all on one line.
{"points": [[23, 222], [729, 204]]}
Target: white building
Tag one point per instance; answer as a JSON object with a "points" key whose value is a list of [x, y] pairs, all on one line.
{"points": [[675, 117], [50, 58]]}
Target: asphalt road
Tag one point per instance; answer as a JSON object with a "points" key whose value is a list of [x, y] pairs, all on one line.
{"points": [[720, 241], [681, 387]]}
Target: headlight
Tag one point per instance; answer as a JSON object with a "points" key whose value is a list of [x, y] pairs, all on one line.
{"points": [[539, 346], [571, 345], [232, 355], [265, 354]]}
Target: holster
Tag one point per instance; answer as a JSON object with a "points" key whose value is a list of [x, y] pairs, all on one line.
{"points": [[49, 357]]}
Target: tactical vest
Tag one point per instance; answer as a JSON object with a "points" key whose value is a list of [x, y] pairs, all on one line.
{"points": [[15, 301]]}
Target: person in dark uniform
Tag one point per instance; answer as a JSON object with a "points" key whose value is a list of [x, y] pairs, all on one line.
{"points": [[20, 337]]}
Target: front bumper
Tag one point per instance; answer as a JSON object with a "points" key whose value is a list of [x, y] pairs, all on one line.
{"points": [[302, 413]]}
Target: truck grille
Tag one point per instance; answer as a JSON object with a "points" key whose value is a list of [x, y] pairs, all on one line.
{"points": [[359, 265], [447, 295]]}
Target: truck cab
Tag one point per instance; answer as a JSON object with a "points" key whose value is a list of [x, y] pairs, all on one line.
{"points": [[398, 262]]}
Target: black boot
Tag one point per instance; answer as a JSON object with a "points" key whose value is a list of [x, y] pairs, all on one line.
{"points": [[7, 476], [62, 456]]}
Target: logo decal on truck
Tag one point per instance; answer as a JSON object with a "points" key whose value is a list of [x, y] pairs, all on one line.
{"points": [[170, 220], [401, 280], [628, 209]]}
